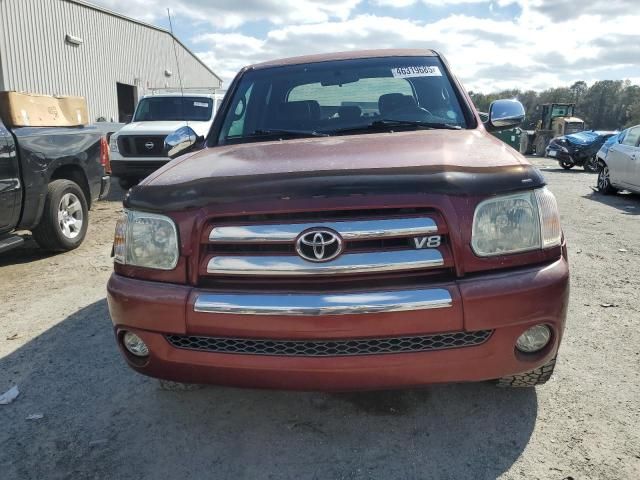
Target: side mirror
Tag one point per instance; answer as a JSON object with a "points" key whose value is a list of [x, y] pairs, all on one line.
{"points": [[504, 114], [182, 141]]}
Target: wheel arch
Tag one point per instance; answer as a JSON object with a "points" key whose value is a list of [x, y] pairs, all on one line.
{"points": [[77, 175]]}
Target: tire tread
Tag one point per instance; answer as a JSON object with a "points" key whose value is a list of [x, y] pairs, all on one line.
{"points": [[538, 376], [46, 233]]}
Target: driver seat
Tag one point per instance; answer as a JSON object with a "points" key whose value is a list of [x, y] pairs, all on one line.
{"points": [[390, 103]]}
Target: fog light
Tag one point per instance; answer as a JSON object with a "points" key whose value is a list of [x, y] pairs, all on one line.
{"points": [[534, 339], [134, 344]]}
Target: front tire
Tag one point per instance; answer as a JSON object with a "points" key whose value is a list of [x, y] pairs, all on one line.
{"points": [[604, 181], [591, 165], [541, 146], [538, 376], [566, 165], [65, 218]]}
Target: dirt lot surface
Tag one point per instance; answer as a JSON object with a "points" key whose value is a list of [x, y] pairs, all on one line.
{"points": [[101, 420]]}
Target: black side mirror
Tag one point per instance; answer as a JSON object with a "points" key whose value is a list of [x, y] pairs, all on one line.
{"points": [[504, 114], [183, 140]]}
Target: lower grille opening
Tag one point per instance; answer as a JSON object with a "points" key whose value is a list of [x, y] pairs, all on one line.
{"points": [[331, 348]]}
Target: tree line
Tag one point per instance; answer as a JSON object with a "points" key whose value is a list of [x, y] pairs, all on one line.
{"points": [[605, 105]]}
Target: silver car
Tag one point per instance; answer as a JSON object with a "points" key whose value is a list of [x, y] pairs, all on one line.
{"points": [[619, 167]]}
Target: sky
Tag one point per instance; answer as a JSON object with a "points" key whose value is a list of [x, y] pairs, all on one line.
{"points": [[490, 44]]}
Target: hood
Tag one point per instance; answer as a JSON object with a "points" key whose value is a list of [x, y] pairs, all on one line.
{"points": [[463, 162], [163, 128]]}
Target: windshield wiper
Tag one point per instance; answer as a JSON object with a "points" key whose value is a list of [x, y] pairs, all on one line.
{"points": [[289, 133], [386, 123]]}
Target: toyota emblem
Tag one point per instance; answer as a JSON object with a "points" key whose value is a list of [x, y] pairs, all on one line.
{"points": [[149, 145], [319, 245]]}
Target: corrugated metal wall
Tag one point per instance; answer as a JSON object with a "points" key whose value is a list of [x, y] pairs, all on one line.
{"points": [[35, 57]]}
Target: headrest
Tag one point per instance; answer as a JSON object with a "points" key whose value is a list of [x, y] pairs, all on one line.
{"points": [[300, 110], [391, 102], [349, 112]]}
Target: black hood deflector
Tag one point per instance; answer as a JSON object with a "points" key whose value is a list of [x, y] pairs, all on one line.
{"points": [[461, 181]]}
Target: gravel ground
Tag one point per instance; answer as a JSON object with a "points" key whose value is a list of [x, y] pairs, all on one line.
{"points": [[101, 420]]}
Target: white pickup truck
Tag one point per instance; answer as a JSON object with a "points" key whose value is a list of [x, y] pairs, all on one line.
{"points": [[137, 149]]}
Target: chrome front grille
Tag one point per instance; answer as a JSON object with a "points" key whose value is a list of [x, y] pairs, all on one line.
{"points": [[331, 348], [371, 243], [141, 145], [349, 230], [281, 265]]}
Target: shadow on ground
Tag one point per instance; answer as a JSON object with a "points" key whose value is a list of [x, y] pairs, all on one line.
{"points": [[102, 420], [627, 203], [574, 170], [29, 251]]}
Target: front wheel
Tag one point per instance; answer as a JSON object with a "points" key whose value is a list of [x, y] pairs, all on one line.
{"points": [[538, 376], [64, 221], [591, 165], [566, 165], [541, 146], [604, 181]]}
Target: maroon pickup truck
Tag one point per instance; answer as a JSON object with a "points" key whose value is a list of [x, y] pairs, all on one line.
{"points": [[348, 223]]}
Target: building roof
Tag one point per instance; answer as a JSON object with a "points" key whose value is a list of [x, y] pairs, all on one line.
{"points": [[349, 55], [144, 24]]}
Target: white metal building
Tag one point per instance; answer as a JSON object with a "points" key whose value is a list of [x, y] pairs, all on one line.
{"points": [[71, 47]]}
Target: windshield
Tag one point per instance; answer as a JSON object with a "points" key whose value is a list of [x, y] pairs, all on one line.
{"points": [[340, 97], [562, 111], [153, 109]]}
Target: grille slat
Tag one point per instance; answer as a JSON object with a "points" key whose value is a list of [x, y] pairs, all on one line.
{"points": [[330, 348], [372, 241], [137, 145]]}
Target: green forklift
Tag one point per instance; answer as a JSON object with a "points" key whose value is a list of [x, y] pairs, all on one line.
{"points": [[557, 119]]}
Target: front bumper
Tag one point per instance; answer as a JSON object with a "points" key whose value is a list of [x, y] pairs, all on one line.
{"points": [[559, 155], [504, 303]]}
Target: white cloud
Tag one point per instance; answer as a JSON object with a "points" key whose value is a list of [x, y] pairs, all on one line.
{"points": [[230, 14], [550, 43], [438, 3]]}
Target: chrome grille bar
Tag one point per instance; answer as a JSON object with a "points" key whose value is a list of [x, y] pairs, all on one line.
{"points": [[283, 265], [323, 304], [349, 230]]}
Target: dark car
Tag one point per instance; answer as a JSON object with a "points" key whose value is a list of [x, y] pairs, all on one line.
{"points": [[49, 177], [348, 223], [578, 149]]}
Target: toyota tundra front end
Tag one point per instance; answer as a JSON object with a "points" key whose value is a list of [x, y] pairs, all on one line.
{"points": [[348, 225]]}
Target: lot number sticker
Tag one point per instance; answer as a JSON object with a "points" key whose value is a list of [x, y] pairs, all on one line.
{"points": [[416, 71], [200, 104]]}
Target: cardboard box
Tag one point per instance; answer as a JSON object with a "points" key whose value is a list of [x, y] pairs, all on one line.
{"points": [[21, 109]]}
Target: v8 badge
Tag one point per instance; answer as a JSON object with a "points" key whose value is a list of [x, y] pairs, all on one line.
{"points": [[433, 241]]}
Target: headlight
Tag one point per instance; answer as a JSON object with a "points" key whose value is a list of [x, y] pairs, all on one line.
{"points": [[516, 223], [113, 143], [146, 240]]}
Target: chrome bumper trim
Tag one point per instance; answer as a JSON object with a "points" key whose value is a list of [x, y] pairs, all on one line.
{"points": [[284, 265], [349, 230], [322, 304]]}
